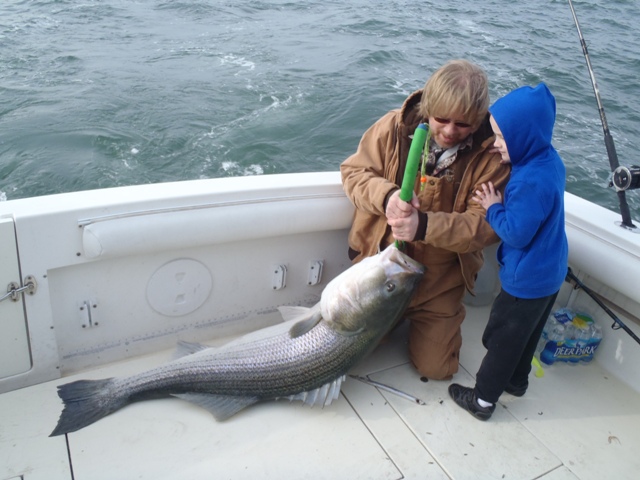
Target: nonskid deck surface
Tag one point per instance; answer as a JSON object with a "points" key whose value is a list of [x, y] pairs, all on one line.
{"points": [[573, 423]]}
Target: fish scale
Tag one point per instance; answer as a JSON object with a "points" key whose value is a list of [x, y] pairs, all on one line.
{"points": [[269, 374]]}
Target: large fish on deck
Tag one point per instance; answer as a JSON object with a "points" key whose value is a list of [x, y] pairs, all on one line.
{"points": [[307, 362]]}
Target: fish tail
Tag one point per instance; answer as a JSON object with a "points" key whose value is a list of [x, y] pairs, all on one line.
{"points": [[85, 402]]}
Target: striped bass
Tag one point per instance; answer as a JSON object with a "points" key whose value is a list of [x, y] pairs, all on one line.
{"points": [[307, 362]]}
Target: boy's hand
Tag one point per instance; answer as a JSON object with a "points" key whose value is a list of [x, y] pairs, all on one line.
{"points": [[487, 196]]}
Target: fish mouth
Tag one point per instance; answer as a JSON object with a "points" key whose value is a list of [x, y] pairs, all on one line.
{"points": [[405, 262], [411, 264]]}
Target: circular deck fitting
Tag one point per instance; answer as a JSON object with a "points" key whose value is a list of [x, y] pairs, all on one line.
{"points": [[179, 287]]}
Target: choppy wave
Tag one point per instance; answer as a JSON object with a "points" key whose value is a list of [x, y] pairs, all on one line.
{"points": [[98, 94]]}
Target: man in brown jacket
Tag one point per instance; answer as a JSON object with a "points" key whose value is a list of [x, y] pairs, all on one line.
{"points": [[443, 227]]}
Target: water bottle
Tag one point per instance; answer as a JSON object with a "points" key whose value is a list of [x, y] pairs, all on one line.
{"points": [[563, 316], [594, 341], [555, 339], [544, 336], [570, 353], [583, 343]]}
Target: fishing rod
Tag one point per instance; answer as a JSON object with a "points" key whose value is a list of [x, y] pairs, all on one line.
{"points": [[617, 323], [623, 178]]}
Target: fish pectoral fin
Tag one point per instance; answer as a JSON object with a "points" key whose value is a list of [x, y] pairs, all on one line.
{"points": [[346, 332], [221, 406], [305, 326]]}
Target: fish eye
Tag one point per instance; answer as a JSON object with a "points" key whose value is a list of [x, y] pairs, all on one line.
{"points": [[390, 287]]}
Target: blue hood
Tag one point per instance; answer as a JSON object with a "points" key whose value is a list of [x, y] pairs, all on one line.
{"points": [[526, 117], [530, 221]]}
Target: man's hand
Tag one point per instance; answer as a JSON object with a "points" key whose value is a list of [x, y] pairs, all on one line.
{"points": [[402, 217]]}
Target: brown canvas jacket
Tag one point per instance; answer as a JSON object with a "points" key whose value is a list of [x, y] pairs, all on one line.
{"points": [[368, 180]]}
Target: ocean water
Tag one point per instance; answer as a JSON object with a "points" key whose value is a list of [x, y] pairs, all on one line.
{"points": [[104, 93]]}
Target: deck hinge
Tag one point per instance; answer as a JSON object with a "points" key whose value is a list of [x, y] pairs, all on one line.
{"points": [[315, 272], [279, 277], [14, 289], [88, 316]]}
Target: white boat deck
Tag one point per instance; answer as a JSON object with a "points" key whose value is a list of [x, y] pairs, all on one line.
{"points": [[573, 423]]}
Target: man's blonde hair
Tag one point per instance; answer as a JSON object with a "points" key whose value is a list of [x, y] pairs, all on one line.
{"points": [[459, 88]]}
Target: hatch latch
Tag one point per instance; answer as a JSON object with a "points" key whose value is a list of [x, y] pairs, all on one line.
{"points": [[14, 289]]}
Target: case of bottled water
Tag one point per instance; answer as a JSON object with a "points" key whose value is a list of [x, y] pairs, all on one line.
{"points": [[569, 337]]}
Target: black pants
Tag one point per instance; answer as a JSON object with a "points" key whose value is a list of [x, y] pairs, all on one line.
{"points": [[510, 337]]}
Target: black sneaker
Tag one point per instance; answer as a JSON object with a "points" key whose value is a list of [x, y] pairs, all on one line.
{"points": [[466, 398], [515, 391]]}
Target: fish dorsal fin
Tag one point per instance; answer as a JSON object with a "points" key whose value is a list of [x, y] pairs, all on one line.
{"points": [[305, 325], [289, 312], [322, 396], [184, 349], [220, 406]]}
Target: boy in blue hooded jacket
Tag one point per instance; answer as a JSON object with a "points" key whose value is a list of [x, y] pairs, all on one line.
{"points": [[533, 253]]}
